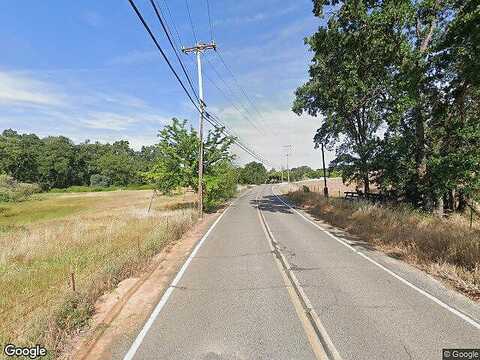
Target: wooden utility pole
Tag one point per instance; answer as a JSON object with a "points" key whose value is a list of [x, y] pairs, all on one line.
{"points": [[198, 50], [325, 187], [287, 154]]}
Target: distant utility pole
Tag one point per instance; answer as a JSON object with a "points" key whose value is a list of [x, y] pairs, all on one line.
{"points": [[325, 187], [287, 154], [198, 50]]}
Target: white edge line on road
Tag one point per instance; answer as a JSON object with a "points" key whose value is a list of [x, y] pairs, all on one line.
{"points": [[139, 339], [461, 315]]}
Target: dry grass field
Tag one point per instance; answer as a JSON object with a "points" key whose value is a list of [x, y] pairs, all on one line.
{"points": [[100, 238], [336, 187], [446, 248]]}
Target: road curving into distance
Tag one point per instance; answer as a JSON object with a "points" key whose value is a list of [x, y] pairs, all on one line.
{"points": [[268, 283]]}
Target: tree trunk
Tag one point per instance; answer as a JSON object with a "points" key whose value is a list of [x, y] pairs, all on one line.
{"points": [[366, 184], [462, 202], [420, 158], [439, 210]]}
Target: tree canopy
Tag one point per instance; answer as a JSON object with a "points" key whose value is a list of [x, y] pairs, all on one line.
{"points": [[396, 85]]}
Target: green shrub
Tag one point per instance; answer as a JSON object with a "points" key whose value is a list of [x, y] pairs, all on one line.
{"points": [[12, 190], [98, 180], [220, 185]]}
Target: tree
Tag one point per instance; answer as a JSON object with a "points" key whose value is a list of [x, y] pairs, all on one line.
{"points": [[253, 173], [220, 184], [274, 176], [391, 79], [55, 165], [177, 162], [118, 163], [348, 84], [19, 155], [300, 173]]}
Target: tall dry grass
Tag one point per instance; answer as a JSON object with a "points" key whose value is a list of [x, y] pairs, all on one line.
{"points": [[101, 238], [446, 248]]}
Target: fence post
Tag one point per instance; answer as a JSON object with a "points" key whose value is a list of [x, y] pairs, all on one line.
{"points": [[72, 279], [471, 217]]}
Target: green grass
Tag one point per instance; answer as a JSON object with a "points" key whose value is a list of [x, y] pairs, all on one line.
{"points": [[39, 209], [80, 189], [102, 238]]}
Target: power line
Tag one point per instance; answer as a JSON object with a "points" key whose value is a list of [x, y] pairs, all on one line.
{"points": [[215, 70], [191, 22], [232, 102], [173, 22], [238, 83], [214, 121], [159, 17], [227, 86], [179, 38], [210, 20], [152, 36]]}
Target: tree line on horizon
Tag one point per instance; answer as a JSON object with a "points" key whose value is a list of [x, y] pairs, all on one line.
{"points": [[397, 84], [56, 162]]}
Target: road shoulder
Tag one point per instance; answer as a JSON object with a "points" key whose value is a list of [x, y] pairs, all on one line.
{"points": [[120, 314]]}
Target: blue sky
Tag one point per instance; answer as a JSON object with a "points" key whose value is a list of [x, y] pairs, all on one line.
{"points": [[87, 70]]}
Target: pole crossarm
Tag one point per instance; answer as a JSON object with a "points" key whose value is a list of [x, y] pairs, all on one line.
{"points": [[200, 47]]}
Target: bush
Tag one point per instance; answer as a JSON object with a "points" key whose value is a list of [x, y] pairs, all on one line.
{"points": [[98, 180], [220, 185], [11, 190]]}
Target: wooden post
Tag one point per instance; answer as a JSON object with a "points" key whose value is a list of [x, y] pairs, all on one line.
{"points": [[72, 280], [151, 200], [471, 217]]}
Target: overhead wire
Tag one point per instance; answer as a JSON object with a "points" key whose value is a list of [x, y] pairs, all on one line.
{"points": [[242, 90], [212, 119], [154, 39], [160, 19], [212, 37], [229, 98], [232, 94], [191, 22], [171, 20]]}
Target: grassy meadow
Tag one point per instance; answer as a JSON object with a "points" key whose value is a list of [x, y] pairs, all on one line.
{"points": [[101, 238], [446, 248]]}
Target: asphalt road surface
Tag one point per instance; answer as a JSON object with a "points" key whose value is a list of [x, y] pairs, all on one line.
{"points": [[266, 283]]}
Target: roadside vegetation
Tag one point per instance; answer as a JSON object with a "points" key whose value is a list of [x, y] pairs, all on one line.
{"points": [[445, 248], [396, 85], [11, 190], [98, 239], [74, 220]]}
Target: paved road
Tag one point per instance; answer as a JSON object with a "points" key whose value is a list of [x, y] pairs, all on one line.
{"points": [[235, 299]]}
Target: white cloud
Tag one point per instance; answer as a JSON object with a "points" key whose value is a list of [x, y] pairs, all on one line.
{"points": [[16, 89], [280, 127], [109, 121], [257, 17], [118, 122]]}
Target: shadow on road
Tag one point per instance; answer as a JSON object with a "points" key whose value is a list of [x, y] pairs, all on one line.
{"points": [[270, 203]]}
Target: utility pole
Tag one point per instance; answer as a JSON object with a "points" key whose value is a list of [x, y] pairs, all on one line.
{"points": [[287, 154], [198, 50], [325, 187]]}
